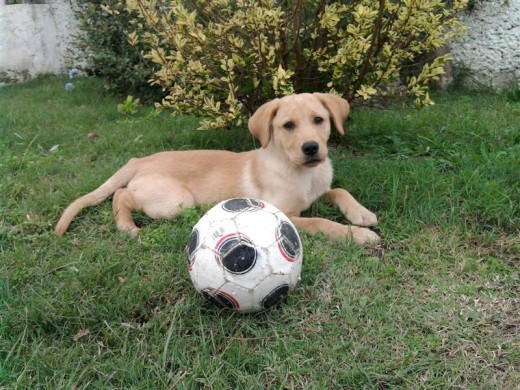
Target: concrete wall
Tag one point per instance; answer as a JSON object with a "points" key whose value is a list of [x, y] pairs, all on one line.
{"points": [[35, 39], [490, 48]]}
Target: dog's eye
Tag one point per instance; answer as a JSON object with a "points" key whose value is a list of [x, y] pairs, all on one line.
{"points": [[318, 120], [288, 125]]}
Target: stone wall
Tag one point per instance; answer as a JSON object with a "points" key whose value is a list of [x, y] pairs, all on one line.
{"points": [[35, 39], [490, 48]]}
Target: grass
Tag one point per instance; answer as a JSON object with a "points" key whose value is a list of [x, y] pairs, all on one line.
{"points": [[436, 305]]}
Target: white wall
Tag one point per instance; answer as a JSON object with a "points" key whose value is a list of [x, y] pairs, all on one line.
{"points": [[35, 39], [491, 45]]}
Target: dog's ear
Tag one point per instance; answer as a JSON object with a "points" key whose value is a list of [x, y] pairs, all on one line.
{"points": [[337, 107], [260, 123]]}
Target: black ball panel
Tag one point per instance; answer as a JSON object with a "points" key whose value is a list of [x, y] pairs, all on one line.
{"points": [[241, 204], [288, 240], [276, 296], [227, 243], [221, 299], [237, 254], [240, 259], [193, 243], [256, 204]]}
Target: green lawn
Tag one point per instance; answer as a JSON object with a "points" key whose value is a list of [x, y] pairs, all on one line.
{"points": [[436, 305]]}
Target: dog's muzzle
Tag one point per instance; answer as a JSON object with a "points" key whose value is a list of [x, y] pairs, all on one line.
{"points": [[310, 148]]}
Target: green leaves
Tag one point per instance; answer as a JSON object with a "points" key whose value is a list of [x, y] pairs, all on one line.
{"points": [[221, 59], [130, 106]]}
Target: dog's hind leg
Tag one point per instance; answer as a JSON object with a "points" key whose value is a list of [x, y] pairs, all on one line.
{"points": [[122, 206], [157, 195]]}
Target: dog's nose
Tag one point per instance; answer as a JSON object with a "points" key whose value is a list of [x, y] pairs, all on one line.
{"points": [[310, 148]]}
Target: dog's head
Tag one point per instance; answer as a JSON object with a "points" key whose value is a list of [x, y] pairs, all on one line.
{"points": [[299, 125]]}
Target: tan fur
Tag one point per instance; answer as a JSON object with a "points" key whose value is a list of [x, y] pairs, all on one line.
{"points": [[281, 172]]}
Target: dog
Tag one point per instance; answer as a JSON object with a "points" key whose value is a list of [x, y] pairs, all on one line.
{"points": [[290, 170]]}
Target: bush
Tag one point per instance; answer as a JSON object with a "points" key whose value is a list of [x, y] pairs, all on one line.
{"points": [[221, 59], [108, 53]]}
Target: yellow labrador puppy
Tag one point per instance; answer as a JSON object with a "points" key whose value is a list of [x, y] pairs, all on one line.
{"points": [[291, 170]]}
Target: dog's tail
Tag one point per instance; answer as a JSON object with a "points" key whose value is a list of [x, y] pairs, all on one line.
{"points": [[119, 180]]}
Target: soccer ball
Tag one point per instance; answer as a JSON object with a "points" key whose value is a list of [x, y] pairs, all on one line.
{"points": [[244, 254]]}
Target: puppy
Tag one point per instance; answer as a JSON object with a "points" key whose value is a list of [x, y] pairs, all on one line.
{"points": [[291, 170]]}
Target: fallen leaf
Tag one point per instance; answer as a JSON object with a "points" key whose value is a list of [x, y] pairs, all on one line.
{"points": [[81, 333]]}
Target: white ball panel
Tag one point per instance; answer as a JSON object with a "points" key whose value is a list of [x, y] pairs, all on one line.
{"points": [[272, 290], [214, 231], [279, 264], [243, 296], [205, 270], [253, 277], [260, 225]]}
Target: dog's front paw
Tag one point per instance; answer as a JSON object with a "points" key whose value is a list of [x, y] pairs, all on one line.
{"points": [[363, 236], [360, 216]]}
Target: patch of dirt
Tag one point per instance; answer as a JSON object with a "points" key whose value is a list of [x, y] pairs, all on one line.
{"points": [[505, 250]]}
